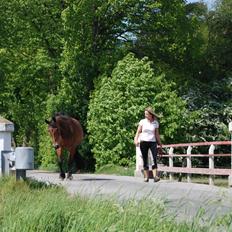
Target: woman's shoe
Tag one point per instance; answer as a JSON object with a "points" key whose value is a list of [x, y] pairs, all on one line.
{"points": [[155, 176], [146, 175], [156, 179]]}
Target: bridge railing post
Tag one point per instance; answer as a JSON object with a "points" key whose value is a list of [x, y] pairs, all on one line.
{"points": [[189, 163], [170, 152], [211, 163]]}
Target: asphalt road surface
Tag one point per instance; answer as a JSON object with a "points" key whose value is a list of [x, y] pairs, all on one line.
{"points": [[185, 200]]}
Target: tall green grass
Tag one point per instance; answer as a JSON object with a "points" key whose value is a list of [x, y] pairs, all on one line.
{"points": [[33, 206]]}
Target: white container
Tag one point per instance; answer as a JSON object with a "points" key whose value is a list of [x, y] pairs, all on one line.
{"points": [[24, 158]]}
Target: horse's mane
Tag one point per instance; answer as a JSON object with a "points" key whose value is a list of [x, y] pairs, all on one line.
{"points": [[68, 127], [66, 115], [64, 125]]}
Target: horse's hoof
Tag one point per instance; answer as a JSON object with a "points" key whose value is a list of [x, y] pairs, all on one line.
{"points": [[62, 176], [69, 176]]}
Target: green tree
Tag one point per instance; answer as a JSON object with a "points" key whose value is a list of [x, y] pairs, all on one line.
{"points": [[209, 90], [220, 38], [166, 33], [117, 104], [31, 54]]}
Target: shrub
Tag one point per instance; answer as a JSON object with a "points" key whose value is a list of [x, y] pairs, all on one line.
{"points": [[68, 102], [117, 104]]}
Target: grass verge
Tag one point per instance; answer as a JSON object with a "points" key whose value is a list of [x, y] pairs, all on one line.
{"points": [[116, 170], [33, 206]]}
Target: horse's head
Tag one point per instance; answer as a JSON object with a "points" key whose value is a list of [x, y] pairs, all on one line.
{"points": [[53, 129], [52, 122], [65, 131]]}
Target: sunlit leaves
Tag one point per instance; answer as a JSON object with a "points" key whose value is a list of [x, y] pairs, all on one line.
{"points": [[118, 103]]}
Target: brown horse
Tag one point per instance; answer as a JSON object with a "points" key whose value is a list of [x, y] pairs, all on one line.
{"points": [[66, 133]]}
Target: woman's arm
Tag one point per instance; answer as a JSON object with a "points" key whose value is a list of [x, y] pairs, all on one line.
{"points": [[139, 130], [157, 136]]}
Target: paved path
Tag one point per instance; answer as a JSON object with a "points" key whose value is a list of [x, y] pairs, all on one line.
{"points": [[183, 199]]}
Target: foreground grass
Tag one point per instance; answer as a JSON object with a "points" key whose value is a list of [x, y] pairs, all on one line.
{"points": [[32, 206]]}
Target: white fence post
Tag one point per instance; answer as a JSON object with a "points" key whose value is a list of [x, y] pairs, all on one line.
{"points": [[139, 163], [170, 152], [6, 129], [230, 176], [189, 163], [211, 163]]}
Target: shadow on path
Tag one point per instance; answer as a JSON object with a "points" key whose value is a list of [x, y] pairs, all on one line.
{"points": [[96, 179]]}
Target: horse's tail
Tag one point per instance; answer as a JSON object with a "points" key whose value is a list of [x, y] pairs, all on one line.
{"points": [[80, 161]]}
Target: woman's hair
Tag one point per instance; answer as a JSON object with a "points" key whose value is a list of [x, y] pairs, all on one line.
{"points": [[151, 112]]}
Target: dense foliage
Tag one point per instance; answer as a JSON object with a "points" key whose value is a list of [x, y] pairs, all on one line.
{"points": [[52, 52], [118, 103]]}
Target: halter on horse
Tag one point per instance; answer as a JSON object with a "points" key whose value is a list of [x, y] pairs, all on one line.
{"points": [[66, 133]]}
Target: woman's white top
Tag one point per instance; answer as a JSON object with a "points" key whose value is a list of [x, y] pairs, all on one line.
{"points": [[148, 130]]}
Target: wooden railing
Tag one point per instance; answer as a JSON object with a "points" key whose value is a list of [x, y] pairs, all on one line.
{"points": [[211, 171]]}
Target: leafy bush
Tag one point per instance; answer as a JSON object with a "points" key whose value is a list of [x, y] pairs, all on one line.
{"points": [[117, 104], [68, 102]]}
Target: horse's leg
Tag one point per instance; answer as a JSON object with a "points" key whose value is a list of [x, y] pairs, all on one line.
{"points": [[70, 162], [60, 159], [79, 161]]}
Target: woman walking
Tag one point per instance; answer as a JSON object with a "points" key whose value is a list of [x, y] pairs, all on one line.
{"points": [[147, 137]]}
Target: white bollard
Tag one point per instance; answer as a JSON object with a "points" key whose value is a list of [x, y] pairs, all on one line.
{"points": [[171, 152], [139, 163], [189, 163], [211, 163], [6, 129]]}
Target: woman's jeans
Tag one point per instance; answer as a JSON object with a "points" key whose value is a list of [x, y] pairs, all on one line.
{"points": [[144, 147]]}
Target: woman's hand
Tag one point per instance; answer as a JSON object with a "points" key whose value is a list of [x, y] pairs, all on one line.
{"points": [[136, 142]]}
